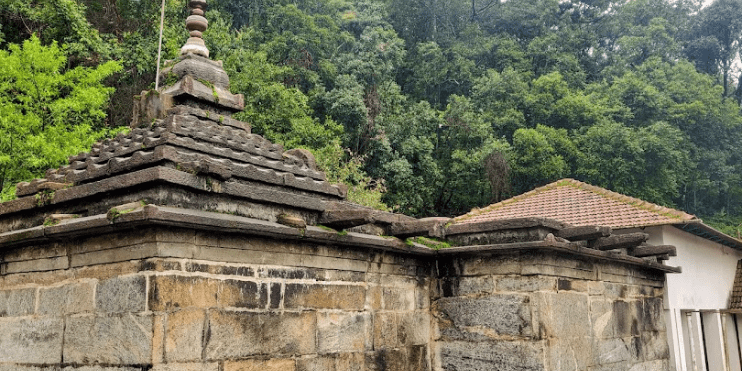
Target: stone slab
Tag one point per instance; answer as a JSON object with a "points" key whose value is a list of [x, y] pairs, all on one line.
{"points": [[237, 334], [39, 265], [19, 302], [121, 294], [184, 335], [118, 339], [486, 356], [211, 366], [71, 298], [343, 332], [324, 296], [506, 314], [261, 365], [31, 340]]}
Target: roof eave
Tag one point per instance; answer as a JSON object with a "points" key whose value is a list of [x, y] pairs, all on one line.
{"points": [[702, 230]]}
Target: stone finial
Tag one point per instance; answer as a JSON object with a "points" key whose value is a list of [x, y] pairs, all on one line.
{"points": [[196, 24]]}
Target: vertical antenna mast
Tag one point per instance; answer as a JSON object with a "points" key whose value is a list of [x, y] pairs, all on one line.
{"points": [[159, 46]]}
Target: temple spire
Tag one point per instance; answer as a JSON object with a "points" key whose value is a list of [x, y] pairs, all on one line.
{"points": [[196, 24]]}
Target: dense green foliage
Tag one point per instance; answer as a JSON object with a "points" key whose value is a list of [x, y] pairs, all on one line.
{"points": [[453, 104], [46, 114]]}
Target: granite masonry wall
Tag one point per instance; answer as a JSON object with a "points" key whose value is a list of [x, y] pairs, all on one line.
{"points": [[229, 302], [535, 310], [220, 302]]}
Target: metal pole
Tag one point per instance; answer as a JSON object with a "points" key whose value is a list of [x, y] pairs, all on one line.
{"points": [[159, 45]]}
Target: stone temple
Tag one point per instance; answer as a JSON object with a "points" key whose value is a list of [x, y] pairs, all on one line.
{"points": [[192, 244]]}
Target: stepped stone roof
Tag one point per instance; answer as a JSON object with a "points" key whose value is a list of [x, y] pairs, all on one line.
{"points": [[190, 141], [183, 149], [577, 203]]}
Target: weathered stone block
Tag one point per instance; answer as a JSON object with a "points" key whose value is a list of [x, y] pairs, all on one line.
{"points": [[38, 265], [601, 317], [385, 330], [242, 294], [67, 299], [171, 292], [99, 368], [374, 297], [557, 270], [564, 284], [626, 323], [654, 346], [242, 334], [613, 350], [493, 265], [652, 315], [37, 340], [562, 315], [159, 265], [297, 295], [618, 366], [220, 269], [659, 365], [414, 328], [422, 295], [322, 363], [12, 367], [274, 298], [340, 275], [418, 358], [504, 314], [261, 365], [184, 335], [18, 302], [570, 354], [344, 332], [350, 362], [526, 283], [398, 298], [186, 367], [121, 294], [290, 273], [158, 338], [121, 339], [387, 359], [486, 356]]}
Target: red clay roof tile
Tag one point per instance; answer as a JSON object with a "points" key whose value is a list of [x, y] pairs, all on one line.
{"points": [[577, 203]]}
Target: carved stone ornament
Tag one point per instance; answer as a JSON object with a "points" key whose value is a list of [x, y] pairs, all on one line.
{"points": [[196, 24]]}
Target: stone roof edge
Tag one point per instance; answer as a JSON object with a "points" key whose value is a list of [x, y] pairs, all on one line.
{"points": [[204, 220], [552, 244], [141, 215], [155, 174], [631, 201], [501, 224]]}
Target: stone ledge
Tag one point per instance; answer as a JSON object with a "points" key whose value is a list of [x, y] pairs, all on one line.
{"points": [[556, 246], [167, 175], [506, 224], [150, 215]]}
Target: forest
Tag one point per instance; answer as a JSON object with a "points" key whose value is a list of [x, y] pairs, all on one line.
{"points": [[425, 107]]}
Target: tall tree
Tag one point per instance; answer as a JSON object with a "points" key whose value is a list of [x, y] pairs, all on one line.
{"points": [[47, 112], [716, 39]]}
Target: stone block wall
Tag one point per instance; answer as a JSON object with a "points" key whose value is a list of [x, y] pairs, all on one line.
{"points": [[213, 302], [546, 311]]}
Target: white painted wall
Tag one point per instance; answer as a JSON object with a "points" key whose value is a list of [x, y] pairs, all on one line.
{"points": [[708, 270], [704, 285]]}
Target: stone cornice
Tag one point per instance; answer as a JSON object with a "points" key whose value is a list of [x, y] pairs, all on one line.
{"points": [[152, 215]]}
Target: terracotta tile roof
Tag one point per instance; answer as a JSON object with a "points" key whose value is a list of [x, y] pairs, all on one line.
{"points": [[577, 203]]}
